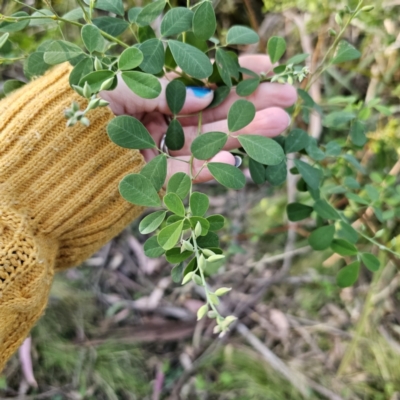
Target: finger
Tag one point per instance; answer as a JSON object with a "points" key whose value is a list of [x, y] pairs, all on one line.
{"points": [[123, 101], [258, 63], [269, 122], [267, 95], [202, 173]]}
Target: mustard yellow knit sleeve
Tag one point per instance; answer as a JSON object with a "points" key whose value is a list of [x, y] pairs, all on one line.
{"points": [[59, 200]]}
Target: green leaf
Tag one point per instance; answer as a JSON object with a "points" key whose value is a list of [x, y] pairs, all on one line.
{"points": [[3, 39], [146, 33], [144, 85], [204, 21], [199, 204], [175, 218], [133, 14], [61, 51], [112, 26], [345, 52], [346, 231], [174, 204], [169, 236], [130, 59], [114, 6], [176, 21], [208, 145], [156, 171], [332, 149], [357, 133], [241, 35], [152, 249], [298, 212], [153, 56], [130, 133], [92, 38], [297, 59], [216, 221], [138, 190], [257, 172], [325, 210], [348, 275], [175, 136], [96, 79], [174, 256], [372, 192], [370, 261], [45, 23], [192, 61], [75, 14], [276, 175], [296, 140], [227, 175], [322, 237], [83, 68], [35, 65], [220, 95], [150, 12], [180, 184], [177, 272], [313, 150], [241, 113], [337, 119], [276, 48], [227, 66], [204, 224], [15, 26], [12, 84], [176, 96], [356, 198], [343, 247], [210, 240], [247, 87], [151, 222], [311, 175], [262, 149]]}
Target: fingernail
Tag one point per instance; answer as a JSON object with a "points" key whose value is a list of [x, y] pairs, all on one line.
{"points": [[238, 161], [290, 121], [199, 91]]}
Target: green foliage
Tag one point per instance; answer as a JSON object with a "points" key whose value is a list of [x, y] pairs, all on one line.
{"points": [[333, 186]]}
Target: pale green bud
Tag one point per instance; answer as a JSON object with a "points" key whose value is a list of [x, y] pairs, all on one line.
{"points": [[107, 84], [93, 104], [222, 291], [85, 121], [197, 229], [213, 298], [186, 246], [103, 103], [187, 278], [208, 252], [202, 312], [211, 314], [197, 280], [78, 89], [87, 92], [339, 19], [202, 262], [216, 257], [367, 8], [332, 32], [97, 64]]}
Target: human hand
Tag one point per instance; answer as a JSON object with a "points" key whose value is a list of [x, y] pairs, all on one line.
{"points": [[270, 120]]}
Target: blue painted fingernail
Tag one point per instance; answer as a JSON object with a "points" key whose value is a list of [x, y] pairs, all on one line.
{"points": [[238, 161], [199, 91]]}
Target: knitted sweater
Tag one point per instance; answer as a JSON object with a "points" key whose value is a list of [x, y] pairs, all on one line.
{"points": [[59, 200]]}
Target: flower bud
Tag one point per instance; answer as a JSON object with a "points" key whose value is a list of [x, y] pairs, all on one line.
{"points": [[85, 121], [208, 252], [186, 246], [87, 92], [367, 8], [97, 64], [107, 84]]}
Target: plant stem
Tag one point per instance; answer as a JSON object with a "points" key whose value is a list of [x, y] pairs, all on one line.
{"points": [[363, 319]]}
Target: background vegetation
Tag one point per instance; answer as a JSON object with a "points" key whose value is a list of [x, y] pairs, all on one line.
{"points": [[119, 328]]}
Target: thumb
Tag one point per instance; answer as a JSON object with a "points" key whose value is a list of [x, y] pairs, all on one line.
{"points": [[123, 101]]}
